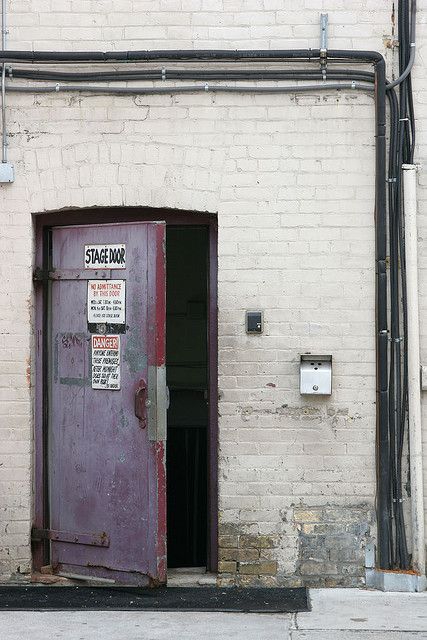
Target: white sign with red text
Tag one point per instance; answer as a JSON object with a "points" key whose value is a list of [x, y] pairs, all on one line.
{"points": [[106, 301], [105, 362]]}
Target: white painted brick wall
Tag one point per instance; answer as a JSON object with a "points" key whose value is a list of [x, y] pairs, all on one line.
{"points": [[291, 178]]}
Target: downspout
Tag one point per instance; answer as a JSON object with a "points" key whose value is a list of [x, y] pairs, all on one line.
{"points": [[414, 390], [382, 439]]}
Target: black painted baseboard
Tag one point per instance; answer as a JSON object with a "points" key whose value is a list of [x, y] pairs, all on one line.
{"points": [[249, 600]]}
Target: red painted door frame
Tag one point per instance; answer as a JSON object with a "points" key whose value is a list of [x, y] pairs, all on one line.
{"points": [[43, 223]]}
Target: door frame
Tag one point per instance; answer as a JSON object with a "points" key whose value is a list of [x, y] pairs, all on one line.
{"points": [[43, 222]]}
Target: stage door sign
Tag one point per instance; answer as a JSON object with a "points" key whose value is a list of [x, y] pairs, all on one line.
{"points": [[105, 256]]}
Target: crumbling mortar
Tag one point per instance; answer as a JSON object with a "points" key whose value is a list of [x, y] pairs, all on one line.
{"points": [[331, 545]]}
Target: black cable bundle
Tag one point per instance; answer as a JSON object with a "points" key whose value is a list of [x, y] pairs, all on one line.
{"points": [[401, 151]]}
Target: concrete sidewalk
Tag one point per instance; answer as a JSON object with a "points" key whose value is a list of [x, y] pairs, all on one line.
{"points": [[358, 614], [337, 614]]}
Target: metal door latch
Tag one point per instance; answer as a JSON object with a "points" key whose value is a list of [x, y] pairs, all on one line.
{"points": [[141, 403]]}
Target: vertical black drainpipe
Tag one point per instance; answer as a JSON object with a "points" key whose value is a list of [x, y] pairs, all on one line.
{"points": [[382, 440]]}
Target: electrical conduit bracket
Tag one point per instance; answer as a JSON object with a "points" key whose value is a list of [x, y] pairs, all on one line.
{"points": [[323, 44], [7, 172]]}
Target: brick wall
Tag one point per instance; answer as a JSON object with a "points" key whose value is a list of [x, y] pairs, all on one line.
{"points": [[291, 178]]}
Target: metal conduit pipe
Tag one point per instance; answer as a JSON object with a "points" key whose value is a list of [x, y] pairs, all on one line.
{"points": [[310, 55], [412, 44], [199, 55], [189, 74], [3, 83], [382, 439], [397, 382], [402, 132], [81, 88]]}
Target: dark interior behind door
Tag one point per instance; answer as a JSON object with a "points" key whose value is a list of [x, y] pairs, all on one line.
{"points": [[187, 378]]}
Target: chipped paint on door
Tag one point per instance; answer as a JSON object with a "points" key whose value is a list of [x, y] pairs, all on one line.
{"points": [[106, 470]]}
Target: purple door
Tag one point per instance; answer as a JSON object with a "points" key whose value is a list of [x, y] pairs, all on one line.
{"points": [[107, 402]]}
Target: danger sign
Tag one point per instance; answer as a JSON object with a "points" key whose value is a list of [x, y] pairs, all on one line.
{"points": [[106, 342], [106, 301], [105, 362]]}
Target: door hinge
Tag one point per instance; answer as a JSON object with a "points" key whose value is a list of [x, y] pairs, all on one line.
{"points": [[40, 275], [92, 539]]}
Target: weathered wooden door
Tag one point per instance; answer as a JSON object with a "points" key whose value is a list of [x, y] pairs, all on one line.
{"points": [[107, 402]]}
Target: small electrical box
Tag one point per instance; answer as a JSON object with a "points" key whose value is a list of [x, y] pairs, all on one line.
{"points": [[6, 172], [316, 375], [254, 322]]}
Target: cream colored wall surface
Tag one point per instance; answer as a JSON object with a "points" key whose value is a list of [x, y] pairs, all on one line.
{"points": [[291, 178]]}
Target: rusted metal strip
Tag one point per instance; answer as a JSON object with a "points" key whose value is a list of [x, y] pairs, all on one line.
{"points": [[71, 274], [91, 539]]}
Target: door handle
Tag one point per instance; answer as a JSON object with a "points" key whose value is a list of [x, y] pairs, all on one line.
{"points": [[141, 403]]}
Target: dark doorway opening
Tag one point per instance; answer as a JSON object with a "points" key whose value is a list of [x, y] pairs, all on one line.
{"points": [[187, 252], [205, 225]]}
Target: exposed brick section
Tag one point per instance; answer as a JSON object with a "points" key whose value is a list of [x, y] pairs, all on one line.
{"points": [[332, 544], [245, 559]]}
